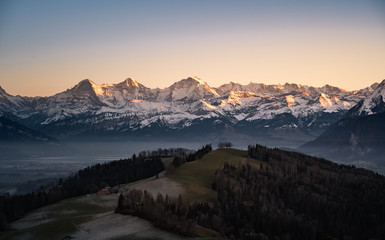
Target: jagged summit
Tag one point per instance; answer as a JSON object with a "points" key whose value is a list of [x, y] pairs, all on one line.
{"points": [[129, 82], [197, 79], [228, 87], [293, 85], [191, 88], [190, 81], [375, 103], [85, 81], [100, 89], [332, 89], [85, 85]]}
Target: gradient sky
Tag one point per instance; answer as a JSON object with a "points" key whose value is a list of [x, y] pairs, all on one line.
{"points": [[49, 46]]}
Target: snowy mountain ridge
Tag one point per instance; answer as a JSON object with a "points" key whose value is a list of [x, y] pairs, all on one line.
{"points": [[130, 106]]}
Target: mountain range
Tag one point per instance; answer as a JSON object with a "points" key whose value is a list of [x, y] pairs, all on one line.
{"points": [[280, 115]]}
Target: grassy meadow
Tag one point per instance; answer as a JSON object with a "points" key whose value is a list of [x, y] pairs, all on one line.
{"points": [[197, 177]]}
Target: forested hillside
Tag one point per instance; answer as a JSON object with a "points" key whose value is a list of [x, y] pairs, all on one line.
{"points": [[279, 195]]}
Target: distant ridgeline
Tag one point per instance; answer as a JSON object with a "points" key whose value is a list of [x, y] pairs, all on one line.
{"points": [[88, 180], [279, 195]]}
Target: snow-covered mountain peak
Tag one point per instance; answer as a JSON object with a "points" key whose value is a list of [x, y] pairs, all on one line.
{"points": [[117, 96], [227, 88], [375, 103], [191, 88], [332, 90], [195, 81], [200, 81], [88, 86], [84, 82], [107, 90], [293, 86], [129, 82], [83, 86]]}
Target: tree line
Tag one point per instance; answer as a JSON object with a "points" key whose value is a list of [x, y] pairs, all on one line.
{"points": [[181, 159], [166, 152], [225, 145]]}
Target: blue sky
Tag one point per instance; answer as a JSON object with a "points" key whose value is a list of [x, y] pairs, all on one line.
{"points": [[48, 46]]}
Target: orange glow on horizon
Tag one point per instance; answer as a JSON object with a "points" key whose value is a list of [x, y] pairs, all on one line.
{"points": [[260, 42]]}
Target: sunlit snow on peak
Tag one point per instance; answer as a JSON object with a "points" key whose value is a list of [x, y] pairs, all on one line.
{"points": [[290, 100], [98, 90], [136, 100], [206, 86], [234, 97], [200, 81], [346, 104], [223, 103], [211, 90], [325, 101], [208, 105], [130, 82], [82, 82]]}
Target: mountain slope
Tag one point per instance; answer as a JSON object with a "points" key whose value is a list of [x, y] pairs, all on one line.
{"points": [[13, 131], [359, 136]]}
